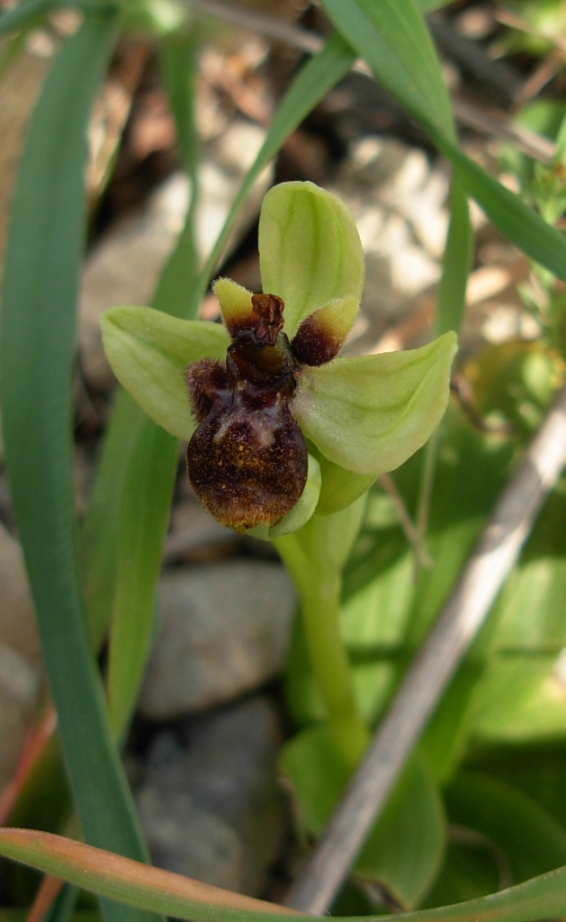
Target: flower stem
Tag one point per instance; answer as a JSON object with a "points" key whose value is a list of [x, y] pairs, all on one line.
{"points": [[314, 557]]}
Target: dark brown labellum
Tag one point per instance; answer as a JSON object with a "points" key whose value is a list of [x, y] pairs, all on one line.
{"points": [[247, 459]]}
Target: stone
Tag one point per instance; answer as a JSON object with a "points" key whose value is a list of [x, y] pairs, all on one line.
{"points": [[210, 804], [224, 631]]}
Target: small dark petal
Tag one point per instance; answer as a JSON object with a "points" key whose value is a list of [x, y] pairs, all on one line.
{"points": [[264, 318], [269, 313], [263, 365], [248, 467], [207, 383], [314, 342]]}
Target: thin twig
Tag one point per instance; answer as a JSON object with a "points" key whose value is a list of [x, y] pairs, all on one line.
{"points": [[410, 531], [432, 669], [492, 125], [496, 125]]}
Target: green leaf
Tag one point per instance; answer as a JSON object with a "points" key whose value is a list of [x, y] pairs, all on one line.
{"points": [[132, 883], [405, 848], [531, 604], [530, 840], [310, 250], [518, 698], [451, 294], [99, 529], [340, 487], [369, 414], [403, 852], [536, 768], [38, 350], [22, 915], [136, 884], [149, 351], [426, 6], [140, 547]]}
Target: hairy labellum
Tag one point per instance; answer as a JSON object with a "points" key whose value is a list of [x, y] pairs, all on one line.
{"points": [[247, 459]]}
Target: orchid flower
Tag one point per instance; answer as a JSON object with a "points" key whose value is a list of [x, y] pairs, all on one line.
{"points": [[278, 426]]}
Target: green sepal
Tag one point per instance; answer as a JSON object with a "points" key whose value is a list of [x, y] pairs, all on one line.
{"points": [[299, 514], [310, 250], [340, 487], [235, 304], [369, 414], [149, 351]]}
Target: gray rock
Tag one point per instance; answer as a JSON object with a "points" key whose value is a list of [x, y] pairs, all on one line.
{"points": [[213, 811], [224, 630]]}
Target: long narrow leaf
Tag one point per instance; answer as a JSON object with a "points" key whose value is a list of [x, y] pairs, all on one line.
{"points": [[450, 305], [451, 294], [135, 884], [38, 338], [145, 514], [145, 494]]}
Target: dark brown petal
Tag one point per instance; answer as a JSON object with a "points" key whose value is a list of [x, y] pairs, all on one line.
{"points": [[316, 342], [207, 383], [248, 467], [269, 317], [266, 366]]}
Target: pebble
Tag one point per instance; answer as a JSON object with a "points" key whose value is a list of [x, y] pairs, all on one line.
{"points": [[210, 804], [224, 631]]}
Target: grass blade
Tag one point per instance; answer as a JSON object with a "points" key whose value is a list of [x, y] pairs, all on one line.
{"points": [[119, 878], [38, 338], [145, 491], [451, 293]]}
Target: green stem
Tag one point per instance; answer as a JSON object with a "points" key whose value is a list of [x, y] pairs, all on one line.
{"points": [[318, 578]]}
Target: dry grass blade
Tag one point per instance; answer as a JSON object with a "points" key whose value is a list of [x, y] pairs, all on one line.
{"points": [[419, 693]]}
